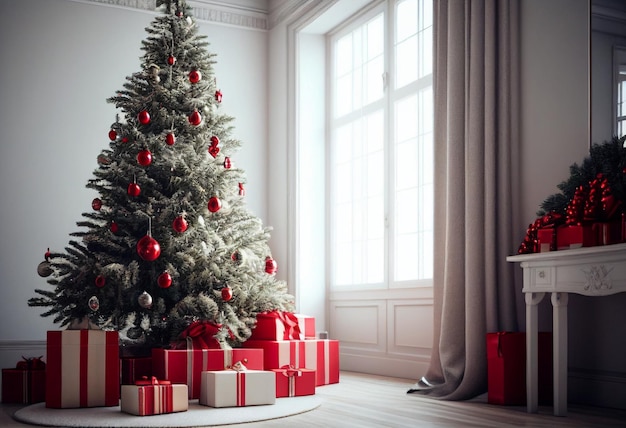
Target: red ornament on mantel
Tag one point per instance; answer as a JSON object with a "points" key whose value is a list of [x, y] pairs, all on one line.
{"points": [[133, 190], [164, 280], [148, 248], [179, 224], [195, 76], [143, 117], [270, 265], [195, 118], [170, 139], [214, 204], [144, 157], [227, 294]]}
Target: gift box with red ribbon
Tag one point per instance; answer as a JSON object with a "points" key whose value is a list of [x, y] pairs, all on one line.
{"points": [[133, 369], [237, 387], [293, 382], [83, 369], [306, 324], [276, 325], [185, 366], [506, 368], [154, 397], [26, 383], [315, 354]]}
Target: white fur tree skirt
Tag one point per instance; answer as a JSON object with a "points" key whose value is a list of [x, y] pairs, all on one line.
{"points": [[196, 416]]}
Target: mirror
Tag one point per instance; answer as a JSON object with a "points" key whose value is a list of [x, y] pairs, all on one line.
{"points": [[608, 57]]}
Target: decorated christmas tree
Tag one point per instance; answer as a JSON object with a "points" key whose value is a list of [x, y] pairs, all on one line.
{"points": [[169, 243]]}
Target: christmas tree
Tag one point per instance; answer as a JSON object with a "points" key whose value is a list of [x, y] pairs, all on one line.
{"points": [[169, 242]]}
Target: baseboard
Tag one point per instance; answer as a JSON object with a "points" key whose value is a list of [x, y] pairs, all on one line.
{"points": [[386, 365], [597, 388]]}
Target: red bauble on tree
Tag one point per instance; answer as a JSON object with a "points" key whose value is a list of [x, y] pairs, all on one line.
{"points": [[218, 96], [227, 294], [270, 265], [214, 151], [100, 281], [227, 163], [195, 76], [195, 118], [125, 140], [164, 280], [214, 204], [170, 139], [144, 157], [114, 227], [112, 135], [215, 140], [96, 204], [133, 190], [148, 248], [242, 191], [143, 117], [171, 60], [179, 224]]}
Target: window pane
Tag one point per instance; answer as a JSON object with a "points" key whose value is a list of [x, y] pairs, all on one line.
{"points": [[406, 20], [375, 37]]}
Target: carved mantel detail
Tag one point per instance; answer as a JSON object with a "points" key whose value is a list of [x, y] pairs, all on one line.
{"points": [[598, 278]]}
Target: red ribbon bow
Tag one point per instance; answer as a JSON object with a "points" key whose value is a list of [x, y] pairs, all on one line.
{"points": [[201, 335], [31, 364], [290, 371], [289, 320]]}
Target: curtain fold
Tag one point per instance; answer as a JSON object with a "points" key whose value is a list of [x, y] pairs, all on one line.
{"points": [[476, 98]]}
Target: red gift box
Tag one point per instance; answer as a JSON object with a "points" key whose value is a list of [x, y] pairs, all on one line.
{"points": [[185, 366], [236, 388], [581, 236], [546, 237], [134, 369], [307, 326], [319, 355], [276, 325], [26, 384], [83, 369], [292, 382], [506, 368], [154, 397]]}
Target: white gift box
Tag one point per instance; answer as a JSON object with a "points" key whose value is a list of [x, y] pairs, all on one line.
{"points": [[236, 388]]}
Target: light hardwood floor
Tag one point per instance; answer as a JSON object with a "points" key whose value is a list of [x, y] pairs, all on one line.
{"points": [[361, 400]]}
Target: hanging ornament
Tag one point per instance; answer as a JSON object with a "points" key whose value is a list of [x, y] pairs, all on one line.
{"points": [[153, 72], [125, 140], [96, 204], [164, 280], [145, 300], [94, 303], [227, 163], [148, 248], [242, 191], [214, 204], [144, 157], [144, 117], [227, 294], [236, 257], [170, 139], [114, 227], [195, 76], [100, 281], [214, 151], [171, 60], [270, 265], [179, 224], [133, 190], [194, 118], [44, 269], [218, 96], [112, 135], [215, 140]]}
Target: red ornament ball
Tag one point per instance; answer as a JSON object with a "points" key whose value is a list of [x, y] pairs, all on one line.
{"points": [[112, 135], [96, 204], [227, 163], [133, 190], [213, 151], [195, 76], [100, 281], [270, 265], [124, 139], [170, 139], [144, 157], [171, 60], [194, 118], [215, 141], [227, 294], [114, 227], [218, 96], [180, 224], [144, 117], [164, 280], [214, 204], [148, 248]]}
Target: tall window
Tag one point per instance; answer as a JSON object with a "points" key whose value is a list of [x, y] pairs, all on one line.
{"points": [[381, 148]]}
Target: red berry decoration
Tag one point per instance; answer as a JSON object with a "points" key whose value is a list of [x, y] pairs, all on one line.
{"points": [[144, 157], [164, 280], [179, 224], [218, 96], [100, 281], [195, 76], [270, 265], [96, 204], [194, 118], [148, 248], [227, 294], [227, 163], [170, 139], [171, 60], [133, 190], [114, 227], [214, 204], [112, 135], [144, 117]]}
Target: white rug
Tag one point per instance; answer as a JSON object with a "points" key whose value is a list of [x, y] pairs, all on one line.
{"points": [[196, 416]]}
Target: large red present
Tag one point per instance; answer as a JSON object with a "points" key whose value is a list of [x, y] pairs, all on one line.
{"points": [[134, 369], [154, 397], [316, 354], [307, 326], [236, 388], [276, 325], [83, 369], [292, 382], [506, 368], [25, 384], [185, 366]]}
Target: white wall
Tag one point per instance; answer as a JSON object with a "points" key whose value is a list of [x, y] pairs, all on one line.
{"points": [[61, 61]]}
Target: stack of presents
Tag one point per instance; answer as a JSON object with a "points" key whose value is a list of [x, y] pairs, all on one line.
{"points": [[87, 368]]}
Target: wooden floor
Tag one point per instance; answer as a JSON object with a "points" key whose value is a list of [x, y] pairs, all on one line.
{"points": [[361, 400]]}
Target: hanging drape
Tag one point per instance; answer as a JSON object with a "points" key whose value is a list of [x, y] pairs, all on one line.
{"points": [[476, 81]]}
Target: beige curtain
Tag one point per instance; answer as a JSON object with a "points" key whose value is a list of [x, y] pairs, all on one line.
{"points": [[476, 147]]}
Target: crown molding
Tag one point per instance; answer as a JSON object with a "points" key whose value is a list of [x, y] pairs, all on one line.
{"points": [[218, 12]]}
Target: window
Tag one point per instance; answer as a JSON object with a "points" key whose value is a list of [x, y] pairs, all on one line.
{"points": [[381, 148]]}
